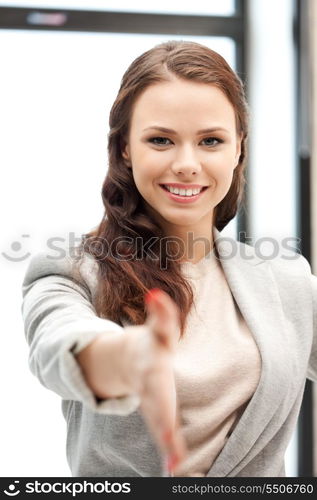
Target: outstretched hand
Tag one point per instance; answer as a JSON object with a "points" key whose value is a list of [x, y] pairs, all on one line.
{"points": [[153, 347]]}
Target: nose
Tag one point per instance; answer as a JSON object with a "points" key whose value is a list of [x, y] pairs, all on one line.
{"points": [[186, 162]]}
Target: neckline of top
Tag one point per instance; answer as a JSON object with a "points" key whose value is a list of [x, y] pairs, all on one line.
{"points": [[200, 268]]}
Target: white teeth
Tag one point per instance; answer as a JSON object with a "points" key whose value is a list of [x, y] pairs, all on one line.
{"points": [[183, 192]]}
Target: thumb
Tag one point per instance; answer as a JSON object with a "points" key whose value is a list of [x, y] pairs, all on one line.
{"points": [[163, 317]]}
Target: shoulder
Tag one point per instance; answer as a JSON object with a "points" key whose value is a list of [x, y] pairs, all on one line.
{"points": [[291, 270], [81, 268], [290, 264], [281, 261]]}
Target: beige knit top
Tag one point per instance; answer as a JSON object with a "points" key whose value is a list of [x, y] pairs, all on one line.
{"points": [[217, 366]]}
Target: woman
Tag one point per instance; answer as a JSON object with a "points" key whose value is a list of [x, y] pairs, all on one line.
{"points": [[175, 350]]}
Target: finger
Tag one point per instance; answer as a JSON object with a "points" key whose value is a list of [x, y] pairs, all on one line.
{"points": [[176, 447], [163, 318], [170, 441], [178, 450], [159, 397], [159, 409]]}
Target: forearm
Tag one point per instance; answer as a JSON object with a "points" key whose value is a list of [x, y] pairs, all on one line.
{"points": [[101, 363], [60, 322]]}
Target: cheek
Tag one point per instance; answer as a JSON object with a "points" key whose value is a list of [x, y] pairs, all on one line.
{"points": [[153, 157], [144, 174], [222, 173], [221, 166], [226, 157], [149, 165], [225, 175]]}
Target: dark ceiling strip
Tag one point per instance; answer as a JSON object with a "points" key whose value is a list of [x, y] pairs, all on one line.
{"points": [[120, 22]]}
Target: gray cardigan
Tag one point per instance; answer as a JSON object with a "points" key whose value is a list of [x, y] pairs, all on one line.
{"points": [[278, 300]]}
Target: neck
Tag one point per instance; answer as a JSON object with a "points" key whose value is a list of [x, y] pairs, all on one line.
{"points": [[194, 243]]}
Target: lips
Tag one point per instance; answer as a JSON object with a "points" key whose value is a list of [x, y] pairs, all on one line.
{"points": [[164, 187], [183, 198], [184, 186]]}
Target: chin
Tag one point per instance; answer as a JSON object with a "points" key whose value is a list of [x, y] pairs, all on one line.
{"points": [[182, 221]]}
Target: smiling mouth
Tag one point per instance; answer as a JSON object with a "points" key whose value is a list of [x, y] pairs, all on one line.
{"points": [[183, 195]]}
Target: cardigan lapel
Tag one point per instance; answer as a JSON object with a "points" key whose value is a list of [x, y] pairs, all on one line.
{"points": [[254, 289]]}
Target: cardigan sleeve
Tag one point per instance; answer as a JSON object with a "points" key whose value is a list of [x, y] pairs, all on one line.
{"points": [[312, 367], [59, 321]]}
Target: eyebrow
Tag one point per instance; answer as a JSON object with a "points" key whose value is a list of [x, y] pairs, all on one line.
{"points": [[202, 131]]}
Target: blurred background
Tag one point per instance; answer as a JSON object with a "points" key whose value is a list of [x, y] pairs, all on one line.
{"points": [[61, 63]]}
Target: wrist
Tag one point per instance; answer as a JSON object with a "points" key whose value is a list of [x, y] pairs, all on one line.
{"points": [[101, 365]]}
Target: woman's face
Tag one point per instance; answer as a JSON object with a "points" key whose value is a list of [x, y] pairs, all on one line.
{"points": [[201, 147]]}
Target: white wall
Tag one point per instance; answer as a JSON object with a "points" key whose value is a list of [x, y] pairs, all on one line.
{"points": [[55, 94], [56, 90], [272, 175]]}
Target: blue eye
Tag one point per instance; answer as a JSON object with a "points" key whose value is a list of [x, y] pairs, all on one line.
{"points": [[218, 141], [160, 141]]}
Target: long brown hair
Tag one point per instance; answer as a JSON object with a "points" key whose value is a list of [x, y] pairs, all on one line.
{"points": [[124, 273]]}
